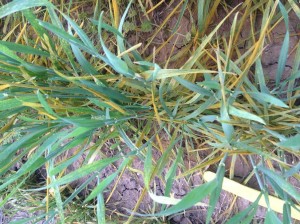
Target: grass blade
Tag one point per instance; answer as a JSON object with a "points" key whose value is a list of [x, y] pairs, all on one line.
{"points": [[83, 171], [244, 114], [282, 183], [19, 5], [215, 196], [291, 143], [116, 63], [268, 99], [192, 198], [245, 216], [105, 182], [285, 46]]}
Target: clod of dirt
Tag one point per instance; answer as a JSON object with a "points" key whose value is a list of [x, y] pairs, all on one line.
{"points": [[242, 166]]}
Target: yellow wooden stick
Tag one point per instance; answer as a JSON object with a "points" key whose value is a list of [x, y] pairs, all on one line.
{"points": [[251, 194]]}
